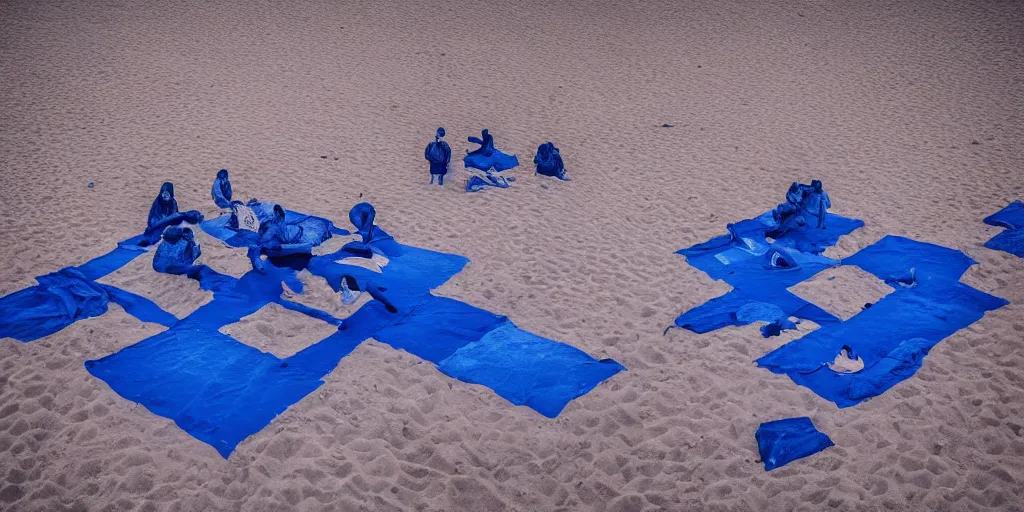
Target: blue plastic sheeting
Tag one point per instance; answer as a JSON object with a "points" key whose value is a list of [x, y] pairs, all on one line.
{"points": [[221, 391], [177, 253], [893, 336], [221, 191], [486, 157], [314, 229], [760, 271], [527, 369], [1011, 240], [783, 441], [549, 162], [478, 183], [439, 154]]}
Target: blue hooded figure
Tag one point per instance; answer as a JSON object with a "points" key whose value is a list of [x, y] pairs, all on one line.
{"points": [[549, 162], [486, 157], [438, 153], [221, 191], [164, 212], [177, 253]]}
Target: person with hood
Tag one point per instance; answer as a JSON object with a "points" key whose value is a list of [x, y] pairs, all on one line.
{"points": [[164, 212], [438, 153], [221, 191], [549, 162]]}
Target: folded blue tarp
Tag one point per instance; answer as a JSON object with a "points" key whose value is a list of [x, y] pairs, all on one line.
{"points": [[478, 183], [486, 157], [783, 441], [1011, 240]]}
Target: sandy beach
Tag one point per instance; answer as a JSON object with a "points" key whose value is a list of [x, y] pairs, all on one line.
{"points": [[909, 112]]}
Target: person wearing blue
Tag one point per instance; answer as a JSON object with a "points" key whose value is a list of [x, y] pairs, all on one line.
{"points": [[177, 253], [816, 203], [438, 153], [163, 213], [486, 157], [221, 191], [549, 162]]}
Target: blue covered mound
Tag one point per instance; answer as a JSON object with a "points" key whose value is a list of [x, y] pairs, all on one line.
{"points": [[486, 157], [177, 253], [164, 213], [1011, 240], [893, 336], [783, 441], [549, 161], [760, 270], [221, 191]]}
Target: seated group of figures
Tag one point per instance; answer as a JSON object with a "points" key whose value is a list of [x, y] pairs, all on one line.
{"points": [[264, 227], [487, 158]]}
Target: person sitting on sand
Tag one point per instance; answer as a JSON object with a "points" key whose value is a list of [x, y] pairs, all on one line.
{"points": [[221, 191], [816, 203], [549, 162], [439, 154], [277, 237], [486, 157], [164, 212]]}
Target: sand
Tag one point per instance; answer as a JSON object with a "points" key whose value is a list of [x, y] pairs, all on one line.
{"points": [[910, 112]]}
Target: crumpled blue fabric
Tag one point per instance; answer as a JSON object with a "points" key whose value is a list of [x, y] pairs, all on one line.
{"points": [[439, 154], [177, 253], [477, 183], [549, 162], [221, 190], [59, 300], [783, 441], [486, 157]]}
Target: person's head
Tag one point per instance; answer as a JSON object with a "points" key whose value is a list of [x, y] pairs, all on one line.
{"points": [[167, 192], [816, 185], [187, 234], [278, 212], [485, 132], [222, 174], [440, 132]]}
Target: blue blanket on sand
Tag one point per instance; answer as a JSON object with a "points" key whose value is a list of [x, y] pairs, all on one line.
{"points": [[1011, 240]]}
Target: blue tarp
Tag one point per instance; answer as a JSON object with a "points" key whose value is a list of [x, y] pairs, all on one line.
{"points": [[893, 335], [783, 441], [478, 183], [486, 157], [221, 391], [1011, 240]]}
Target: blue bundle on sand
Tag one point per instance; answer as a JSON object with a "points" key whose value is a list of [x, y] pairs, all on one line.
{"points": [[478, 183], [486, 157], [1011, 240], [783, 441], [549, 162], [891, 337], [177, 253]]}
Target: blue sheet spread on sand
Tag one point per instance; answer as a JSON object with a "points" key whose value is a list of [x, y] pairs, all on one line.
{"points": [[783, 441], [894, 335], [221, 391], [1011, 240], [928, 304]]}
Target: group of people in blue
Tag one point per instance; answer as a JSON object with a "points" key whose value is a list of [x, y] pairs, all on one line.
{"points": [[487, 158]]}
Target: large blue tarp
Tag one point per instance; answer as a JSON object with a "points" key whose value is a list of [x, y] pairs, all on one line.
{"points": [[1011, 240], [486, 157], [783, 441], [893, 335], [221, 391]]}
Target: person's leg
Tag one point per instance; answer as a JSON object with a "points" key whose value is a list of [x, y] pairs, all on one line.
{"points": [[431, 178], [440, 179]]}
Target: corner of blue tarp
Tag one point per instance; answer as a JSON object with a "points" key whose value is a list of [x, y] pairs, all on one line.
{"points": [[783, 441]]}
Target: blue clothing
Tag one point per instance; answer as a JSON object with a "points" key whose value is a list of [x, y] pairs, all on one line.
{"points": [[486, 157], [221, 191], [177, 253], [549, 162]]}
